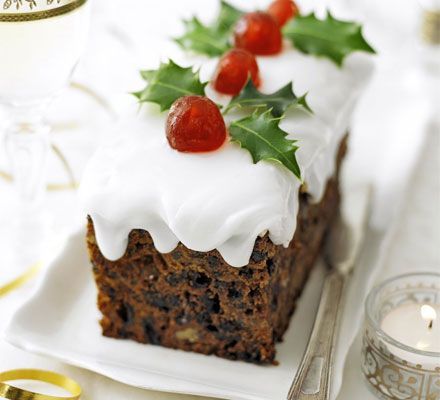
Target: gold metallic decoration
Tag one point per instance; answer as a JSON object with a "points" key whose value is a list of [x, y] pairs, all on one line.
{"points": [[394, 378], [66, 165], [7, 177], [100, 100], [55, 11], [17, 4], [8, 391], [431, 27], [392, 370], [21, 280], [53, 187]]}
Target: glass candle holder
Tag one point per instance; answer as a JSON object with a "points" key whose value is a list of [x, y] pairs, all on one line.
{"points": [[401, 342]]}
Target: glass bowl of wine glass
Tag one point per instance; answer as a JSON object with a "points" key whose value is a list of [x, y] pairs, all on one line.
{"points": [[41, 42]]}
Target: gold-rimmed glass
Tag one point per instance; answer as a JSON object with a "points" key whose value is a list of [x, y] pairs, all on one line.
{"points": [[40, 44]]}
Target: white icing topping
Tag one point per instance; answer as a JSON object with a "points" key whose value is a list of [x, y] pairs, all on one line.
{"points": [[221, 200]]}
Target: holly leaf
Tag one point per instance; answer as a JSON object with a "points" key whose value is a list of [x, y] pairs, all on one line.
{"points": [[261, 136], [212, 40], [227, 17], [168, 83], [329, 37], [278, 101], [203, 39]]}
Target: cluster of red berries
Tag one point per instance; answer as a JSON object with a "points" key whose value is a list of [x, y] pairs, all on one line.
{"points": [[195, 123], [256, 33]]}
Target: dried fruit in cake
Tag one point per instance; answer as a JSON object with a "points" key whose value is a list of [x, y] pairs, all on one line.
{"points": [[195, 124], [283, 10], [259, 33], [234, 70]]}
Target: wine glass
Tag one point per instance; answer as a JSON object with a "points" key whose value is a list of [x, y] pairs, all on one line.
{"points": [[40, 44]]}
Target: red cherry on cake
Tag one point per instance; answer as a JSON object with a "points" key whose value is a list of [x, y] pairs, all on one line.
{"points": [[195, 124], [233, 71], [283, 10], [259, 33]]}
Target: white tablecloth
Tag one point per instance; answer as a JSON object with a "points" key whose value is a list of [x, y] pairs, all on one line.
{"points": [[415, 243]]}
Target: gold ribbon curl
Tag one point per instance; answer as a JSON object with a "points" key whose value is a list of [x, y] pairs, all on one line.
{"points": [[14, 393], [21, 280], [51, 187]]}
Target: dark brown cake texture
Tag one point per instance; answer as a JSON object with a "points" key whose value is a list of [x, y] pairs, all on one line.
{"points": [[195, 301]]}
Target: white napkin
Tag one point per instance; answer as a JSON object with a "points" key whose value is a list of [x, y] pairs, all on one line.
{"points": [[390, 131], [413, 246]]}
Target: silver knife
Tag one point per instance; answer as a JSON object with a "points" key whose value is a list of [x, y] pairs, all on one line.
{"points": [[314, 375]]}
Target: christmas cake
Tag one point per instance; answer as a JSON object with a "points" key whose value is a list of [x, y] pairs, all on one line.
{"points": [[206, 219]]}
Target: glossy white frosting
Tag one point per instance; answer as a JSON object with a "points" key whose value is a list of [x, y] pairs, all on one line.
{"points": [[221, 200]]}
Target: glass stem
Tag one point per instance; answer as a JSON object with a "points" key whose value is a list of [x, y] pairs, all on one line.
{"points": [[27, 145]]}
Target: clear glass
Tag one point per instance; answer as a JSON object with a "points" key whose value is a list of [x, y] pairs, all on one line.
{"points": [[40, 44], [394, 370]]}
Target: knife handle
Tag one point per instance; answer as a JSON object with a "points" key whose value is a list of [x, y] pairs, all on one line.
{"points": [[313, 379]]}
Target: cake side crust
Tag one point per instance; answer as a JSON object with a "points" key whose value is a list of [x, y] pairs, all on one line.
{"points": [[195, 301]]}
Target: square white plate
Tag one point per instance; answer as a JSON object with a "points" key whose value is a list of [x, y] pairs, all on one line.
{"points": [[61, 321]]}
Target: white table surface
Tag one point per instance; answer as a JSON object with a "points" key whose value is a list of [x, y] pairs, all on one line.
{"points": [[415, 244]]}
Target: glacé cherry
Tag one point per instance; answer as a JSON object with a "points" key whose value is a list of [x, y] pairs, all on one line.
{"points": [[283, 10], [259, 33], [233, 71], [195, 124]]}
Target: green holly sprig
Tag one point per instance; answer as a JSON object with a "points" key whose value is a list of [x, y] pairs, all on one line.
{"points": [[278, 102], [258, 133], [212, 40], [169, 82], [328, 37], [261, 135]]}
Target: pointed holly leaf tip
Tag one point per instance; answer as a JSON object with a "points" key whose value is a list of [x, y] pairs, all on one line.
{"points": [[278, 101], [330, 37], [166, 84], [227, 17], [261, 135], [211, 40], [203, 39]]}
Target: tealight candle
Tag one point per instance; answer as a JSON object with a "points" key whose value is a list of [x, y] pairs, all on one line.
{"points": [[415, 326], [401, 345]]}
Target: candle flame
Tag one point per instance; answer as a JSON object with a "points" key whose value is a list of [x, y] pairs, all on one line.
{"points": [[428, 312]]}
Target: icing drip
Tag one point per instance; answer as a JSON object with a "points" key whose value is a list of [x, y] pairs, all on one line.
{"points": [[221, 200]]}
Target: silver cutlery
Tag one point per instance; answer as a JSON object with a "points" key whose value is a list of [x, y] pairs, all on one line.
{"points": [[314, 375]]}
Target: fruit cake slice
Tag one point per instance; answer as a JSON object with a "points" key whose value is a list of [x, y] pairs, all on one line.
{"points": [[205, 221], [195, 301]]}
